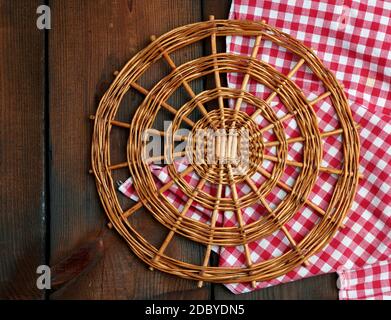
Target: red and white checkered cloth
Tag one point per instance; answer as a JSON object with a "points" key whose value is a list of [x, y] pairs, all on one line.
{"points": [[371, 282], [351, 40]]}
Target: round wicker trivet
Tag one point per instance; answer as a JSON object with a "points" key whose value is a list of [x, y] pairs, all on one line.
{"points": [[233, 126]]}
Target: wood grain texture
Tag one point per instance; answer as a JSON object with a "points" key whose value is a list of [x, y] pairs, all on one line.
{"points": [[218, 8], [90, 40], [315, 288], [22, 183]]}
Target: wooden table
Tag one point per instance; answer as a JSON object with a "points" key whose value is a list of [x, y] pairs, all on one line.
{"points": [[50, 82]]}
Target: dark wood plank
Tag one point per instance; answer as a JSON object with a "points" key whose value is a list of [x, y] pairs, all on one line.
{"points": [[90, 40], [315, 288], [22, 210], [322, 287], [218, 8]]}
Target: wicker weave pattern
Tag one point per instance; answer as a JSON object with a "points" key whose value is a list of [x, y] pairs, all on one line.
{"points": [[222, 174]]}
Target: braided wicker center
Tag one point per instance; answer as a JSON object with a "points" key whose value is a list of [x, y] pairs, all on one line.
{"points": [[226, 152], [225, 146]]}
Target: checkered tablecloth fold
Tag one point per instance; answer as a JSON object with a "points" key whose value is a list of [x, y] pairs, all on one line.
{"points": [[371, 282]]}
